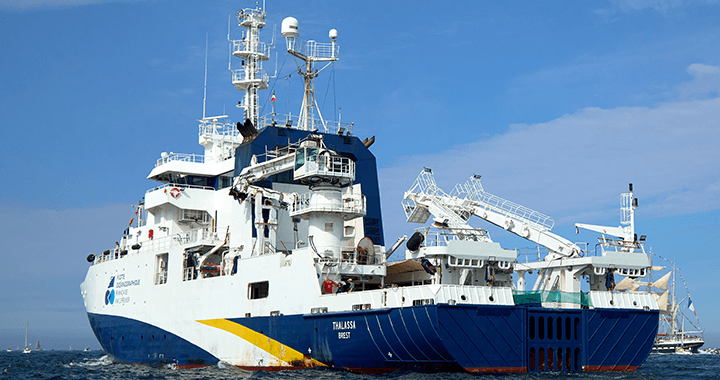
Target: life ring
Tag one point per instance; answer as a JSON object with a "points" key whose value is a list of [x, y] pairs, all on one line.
{"points": [[174, 192]]}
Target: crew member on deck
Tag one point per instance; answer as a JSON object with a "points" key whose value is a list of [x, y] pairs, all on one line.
{"points": [[328, 284], [349, 286]]}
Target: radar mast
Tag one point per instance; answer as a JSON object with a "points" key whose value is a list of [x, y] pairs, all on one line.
{"points": [[251, 77], [310, 52]]}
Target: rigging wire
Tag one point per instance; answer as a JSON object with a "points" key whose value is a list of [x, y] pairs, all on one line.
{"points": [[275, 82], [332, 76], [687, 290], [334, 93]]}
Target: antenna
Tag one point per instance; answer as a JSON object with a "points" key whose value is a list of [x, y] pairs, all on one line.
{"points": [[251, 77], [310, 52], [205, 89]]}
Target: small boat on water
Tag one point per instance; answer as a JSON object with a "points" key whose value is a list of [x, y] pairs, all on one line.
{"points": [[37, 346], [27, 349]]}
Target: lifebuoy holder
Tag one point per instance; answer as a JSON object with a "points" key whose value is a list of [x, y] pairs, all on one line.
{"points": [[174, 192]]}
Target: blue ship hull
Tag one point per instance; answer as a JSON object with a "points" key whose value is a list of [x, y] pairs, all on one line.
{"points": [[420, 338]]}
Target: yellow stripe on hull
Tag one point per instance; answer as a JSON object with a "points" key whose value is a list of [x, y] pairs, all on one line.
{"points": [[284, 353]]}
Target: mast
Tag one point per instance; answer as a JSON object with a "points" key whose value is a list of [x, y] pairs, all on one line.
{"points": [[310, 52], [627, 206], [251, 77], [674, 303]]}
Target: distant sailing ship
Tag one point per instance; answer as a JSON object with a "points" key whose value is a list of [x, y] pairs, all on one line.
{"points": [[27, 349], [672, 335], [37, 346]]}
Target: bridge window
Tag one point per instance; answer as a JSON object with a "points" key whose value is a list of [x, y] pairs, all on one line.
{"points": [[224, 180], [258, 290], [299, 158]]}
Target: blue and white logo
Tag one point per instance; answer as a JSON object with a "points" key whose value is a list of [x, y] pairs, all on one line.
{"points": [[110, 293]]}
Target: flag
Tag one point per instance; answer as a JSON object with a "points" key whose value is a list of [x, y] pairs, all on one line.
{"points": [[691, 307]]}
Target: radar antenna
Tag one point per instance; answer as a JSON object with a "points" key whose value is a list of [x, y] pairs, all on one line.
{"points": [[310, 52]]}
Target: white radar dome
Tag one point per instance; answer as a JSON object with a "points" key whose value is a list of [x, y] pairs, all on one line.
{"points": [[289, 27], [333, 34]]}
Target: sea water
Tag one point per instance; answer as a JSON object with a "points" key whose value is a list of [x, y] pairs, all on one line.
{"points": [[59, 365]]}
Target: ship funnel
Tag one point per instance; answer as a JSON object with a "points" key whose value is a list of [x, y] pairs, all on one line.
{"points": [[289, 27]]}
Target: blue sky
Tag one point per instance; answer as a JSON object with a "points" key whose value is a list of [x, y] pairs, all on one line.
{"points": [[558, 105]]}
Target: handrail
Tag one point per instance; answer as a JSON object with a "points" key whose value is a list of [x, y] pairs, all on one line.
{"points": [[239, 76], [242, 46], [183, 157], [314, 49], [353, 204], [440, 238], [179, 186], [292, 121]]}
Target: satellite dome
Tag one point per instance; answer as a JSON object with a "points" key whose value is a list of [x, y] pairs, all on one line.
{"points": [[289, 27], [333, 34]]}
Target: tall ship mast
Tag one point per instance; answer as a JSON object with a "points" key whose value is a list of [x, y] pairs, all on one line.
{"points": [[678, 332], [267, 252]]}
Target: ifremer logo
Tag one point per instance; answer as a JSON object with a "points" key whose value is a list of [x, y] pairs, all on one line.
{"points": [[110, 293]]}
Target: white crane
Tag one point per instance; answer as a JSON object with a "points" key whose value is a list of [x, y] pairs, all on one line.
{"points": [[565, 263], [455, 209]]}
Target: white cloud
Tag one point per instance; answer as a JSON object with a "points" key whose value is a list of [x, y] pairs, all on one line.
{"points": [[664, 7], [638, 5], [27, 5], [574, 167], [705, 83]]}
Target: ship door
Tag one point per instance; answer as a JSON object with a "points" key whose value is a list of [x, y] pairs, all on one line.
{"points": [[553, 341]]}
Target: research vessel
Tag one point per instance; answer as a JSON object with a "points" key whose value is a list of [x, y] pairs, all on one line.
{"points": [[267, 252]]}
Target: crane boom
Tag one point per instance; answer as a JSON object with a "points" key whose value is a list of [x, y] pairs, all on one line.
{"points": [[470, 199]]}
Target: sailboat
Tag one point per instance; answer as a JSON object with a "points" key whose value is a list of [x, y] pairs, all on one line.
{"points": [[672, 335], [27, 349], [37, 346]]}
